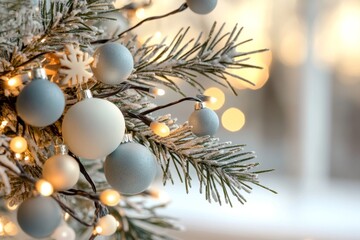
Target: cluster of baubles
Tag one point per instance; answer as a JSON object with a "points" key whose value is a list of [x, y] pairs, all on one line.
{"points": [[92, 128]]}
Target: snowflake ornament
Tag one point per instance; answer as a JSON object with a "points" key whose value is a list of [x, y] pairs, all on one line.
{"points": [[74, 66]]}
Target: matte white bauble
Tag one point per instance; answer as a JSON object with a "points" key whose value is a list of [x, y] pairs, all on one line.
{"points": [[201, 6], [62, 171], [41, 102], [39, 216], [204, 122], [131, 168], [106, 225], [64, 232], [113, 63], [93, 128]]}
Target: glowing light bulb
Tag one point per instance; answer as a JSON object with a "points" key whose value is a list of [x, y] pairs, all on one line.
{"points": [[26, 158], [66, 216], [18, 144], [18, 155], [11, 229], [157, 91], [217, 98], [4, 123], [11, 82], [140, 13], [160, 129], [233, 119], [1, 228], [98, 229], [110, 197], [44, 187], [162, 196]]}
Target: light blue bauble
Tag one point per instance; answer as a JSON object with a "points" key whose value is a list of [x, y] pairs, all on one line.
{"points": [[93, 128], [204, 121], [113, 63], [40, 103], [201, 6], [130, 169], [39, 216]]}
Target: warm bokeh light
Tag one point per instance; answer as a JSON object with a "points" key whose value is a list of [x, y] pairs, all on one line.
{"points": [[110, 197], [233, 119], [18, 155], [217, 100], [157, 91], [160, 129], [3, 123], [160, 195], [1, 228], [256, 76], [18, 144], [44, 187], [66, 216], [140, 13], [14, 81], [11, 229], [338, 36], [293, 43]]}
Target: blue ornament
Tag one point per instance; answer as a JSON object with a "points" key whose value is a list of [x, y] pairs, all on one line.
{"points": [[131, 168], [204, 121], [41, 102], [201, 6], [39, 216], [113, 63]]}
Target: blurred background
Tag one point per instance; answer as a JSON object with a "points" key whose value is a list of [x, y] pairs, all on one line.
{"points": [[302, 119]]}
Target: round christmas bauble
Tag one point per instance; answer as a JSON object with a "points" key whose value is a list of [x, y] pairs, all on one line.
{"points": [[62, 171], [113, 63], [204, 121], [106, 225], [130, 169], [40, 103], [201, 6], [93, 128], [64, 232], [39, 216]]}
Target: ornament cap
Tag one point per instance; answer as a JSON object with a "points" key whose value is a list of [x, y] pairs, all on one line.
{"points": [[199, 105], [84, 94], [61, 149], [38, 73], [127, 138]]}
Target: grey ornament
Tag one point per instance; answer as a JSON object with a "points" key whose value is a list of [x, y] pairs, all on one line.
{"points": [[130, 169], [204, 121], [39, 216], [113, 63], [41, 102], [201, 6]]}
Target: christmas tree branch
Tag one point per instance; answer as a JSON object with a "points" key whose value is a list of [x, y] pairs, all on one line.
{"points": [[186, 59]]}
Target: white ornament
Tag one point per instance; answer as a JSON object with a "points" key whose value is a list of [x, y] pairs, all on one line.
{"points": [[61, 170], [106, 225], [93, 127], [64, 232], [75, 65]]}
